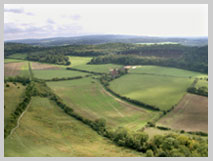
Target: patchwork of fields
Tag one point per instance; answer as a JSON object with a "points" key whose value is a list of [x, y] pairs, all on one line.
{"points": [[45, 130], [88, 98], [57, 135]]}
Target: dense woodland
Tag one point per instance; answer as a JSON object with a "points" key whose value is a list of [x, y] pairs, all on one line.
{"points": [[193, 58], [49, 57], [172, 55]]}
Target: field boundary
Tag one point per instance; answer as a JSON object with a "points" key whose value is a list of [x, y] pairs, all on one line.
{"points": [[85, 71], [18, 121]]}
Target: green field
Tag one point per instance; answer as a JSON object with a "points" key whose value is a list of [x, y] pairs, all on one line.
{"points": [[160, 91], [101, 68], [59, 73], [77, 60], [18, 56], [165, 71], [88, 98], [81, 63], [11, 60], [12, 97], [45, 130]]}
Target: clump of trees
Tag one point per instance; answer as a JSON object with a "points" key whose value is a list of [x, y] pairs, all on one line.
{"points": [[203, 91], [48, 57], [23, 80]]}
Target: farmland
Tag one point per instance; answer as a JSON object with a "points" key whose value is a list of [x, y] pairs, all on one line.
{"points": [[59, 73], [11, 60], [69, 110], [160, 91], [12, 97], [164, 71], [191, 114], [16, 68], [88, 98], [57, 135]]}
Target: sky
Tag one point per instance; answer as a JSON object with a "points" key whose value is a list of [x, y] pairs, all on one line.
{"points": [[23, 21]]}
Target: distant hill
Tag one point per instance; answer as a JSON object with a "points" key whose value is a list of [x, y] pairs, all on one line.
{"points": [[101, 39]]}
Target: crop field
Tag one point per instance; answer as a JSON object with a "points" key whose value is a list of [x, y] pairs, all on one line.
{"points": [[42, 66], [165, 71], [16, 68], [45, 130], [12, 97], [159, 91], [191, 114], [88, 98]]}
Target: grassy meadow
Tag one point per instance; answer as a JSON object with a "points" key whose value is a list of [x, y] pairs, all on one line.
{"points": [[11, 60], [165, 71], [59, 73], [88, 98], [160, 91], [18, 56], [45, 131], [12, 97]]}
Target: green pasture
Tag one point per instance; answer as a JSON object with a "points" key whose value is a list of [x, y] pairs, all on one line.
{"points": [[165, 71], [160, 91], [46, 131], [13, 95], [56, 73], [88, 98], [18, 56], [101, 68], [11, 61]]}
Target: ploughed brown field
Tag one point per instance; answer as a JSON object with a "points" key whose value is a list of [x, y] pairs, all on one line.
{"points": [[40, 66], [13, 69], [191, 114]]}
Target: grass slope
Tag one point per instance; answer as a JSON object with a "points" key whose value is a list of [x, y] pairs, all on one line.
{"points": [[88, 98], [12, 97], [160, 91], [45, 130]]}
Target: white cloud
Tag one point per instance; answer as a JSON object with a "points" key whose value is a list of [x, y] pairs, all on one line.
{"points": [[76, 19]]}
